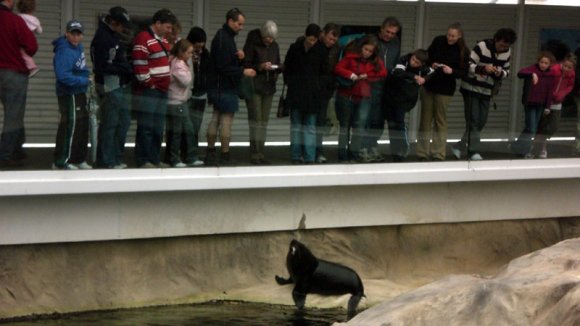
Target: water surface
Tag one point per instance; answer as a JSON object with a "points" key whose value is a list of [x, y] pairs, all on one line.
{"points": [[217, 313]]}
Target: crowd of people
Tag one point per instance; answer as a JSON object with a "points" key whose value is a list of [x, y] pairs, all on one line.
{"points": [[164, 82]]}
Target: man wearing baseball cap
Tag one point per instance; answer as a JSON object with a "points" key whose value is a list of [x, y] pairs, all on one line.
{"points": [[72, 80], [112, 80]]}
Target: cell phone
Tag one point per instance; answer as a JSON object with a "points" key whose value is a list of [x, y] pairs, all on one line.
{"points": [[274, 66]]}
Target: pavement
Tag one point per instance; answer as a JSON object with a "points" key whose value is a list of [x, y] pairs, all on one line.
{"points": [[41, 158]]}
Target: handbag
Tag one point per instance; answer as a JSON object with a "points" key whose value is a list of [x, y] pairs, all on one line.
{"points": [[342, 82], [246, 88], [283, 109]]}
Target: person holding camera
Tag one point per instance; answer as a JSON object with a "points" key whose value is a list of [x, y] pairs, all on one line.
{"points": [[262, 55], [489, 64], [449, 56]]}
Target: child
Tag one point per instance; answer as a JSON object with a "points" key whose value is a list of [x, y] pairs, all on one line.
{"points": [[537, 97], [26, 8], [401, 95], [353, 104], [178, 119], [564, 76], [72, 81]]}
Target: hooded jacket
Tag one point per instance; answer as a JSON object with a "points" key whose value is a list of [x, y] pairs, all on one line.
{"points": [[109, 56], [541, 93], [70, 68], [352, 63], [402, 91]]}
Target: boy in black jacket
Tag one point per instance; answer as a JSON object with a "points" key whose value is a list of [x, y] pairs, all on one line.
{"points": [[401, 95]]}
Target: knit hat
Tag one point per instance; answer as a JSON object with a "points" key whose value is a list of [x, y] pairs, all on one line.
{"points": [[196, 35]]}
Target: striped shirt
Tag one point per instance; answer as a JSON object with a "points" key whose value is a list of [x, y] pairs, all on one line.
{"points": [[151, 61], [484, 53]]}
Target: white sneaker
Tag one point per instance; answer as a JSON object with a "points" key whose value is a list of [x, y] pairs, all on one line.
{"points": [[476, 157], [84, 166], [196, 163], [363, 156], [529, 156], [120, 166], [321, 159], [66, 167], [375, 156], [148, 165], [180, 165], [456, 152], [543, 154], [163, 165]]}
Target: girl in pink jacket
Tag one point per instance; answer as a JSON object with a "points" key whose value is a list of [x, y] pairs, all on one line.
{"points": [[360, 68], [564, 76], [178, 121]]}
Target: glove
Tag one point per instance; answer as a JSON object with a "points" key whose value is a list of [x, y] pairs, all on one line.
{"points": [[547, 111]]}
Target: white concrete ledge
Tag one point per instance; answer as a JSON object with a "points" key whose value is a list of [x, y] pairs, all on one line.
{"points": [[24, 183]]}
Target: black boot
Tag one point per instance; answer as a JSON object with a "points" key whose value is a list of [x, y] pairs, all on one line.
{"points": [[210, 157], [225, 159]]}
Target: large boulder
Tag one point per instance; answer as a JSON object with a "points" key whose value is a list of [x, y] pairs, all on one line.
{"points": [[541, 288]]}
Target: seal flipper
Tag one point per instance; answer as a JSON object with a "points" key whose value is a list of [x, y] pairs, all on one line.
{"points": [[353, 303], [283, 281], [299, 298]]}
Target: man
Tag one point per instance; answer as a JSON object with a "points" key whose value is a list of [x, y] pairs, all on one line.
{"points": [[389, 51], [489, 64], [225, 74], [13, 83], [72, 81], [328, 42], [151, 68], [112, 78]]}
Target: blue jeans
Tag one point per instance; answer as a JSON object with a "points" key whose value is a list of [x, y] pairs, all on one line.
{"points": [[352, 114], [376, 121], [302, 136], [523, 145], [476, 110], [13, 90], [150, 113], [398, 132], [113, 128], [182, 128], [196, 109]]}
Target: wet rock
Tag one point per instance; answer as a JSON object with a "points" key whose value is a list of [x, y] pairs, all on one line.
{"points": [[541, 288]]}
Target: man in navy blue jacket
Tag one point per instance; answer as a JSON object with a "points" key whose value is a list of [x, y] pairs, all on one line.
{"points": [[112, 78]]}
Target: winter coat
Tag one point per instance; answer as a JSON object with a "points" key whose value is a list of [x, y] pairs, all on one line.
{"points": [[200, 74], [225, 69], [302, 73], [180, 85], [109, 56], [402, 91], [70, 68], [257, 53], [353, 63], [541, 93], [440, 51], [563, 83], [15, 36]]}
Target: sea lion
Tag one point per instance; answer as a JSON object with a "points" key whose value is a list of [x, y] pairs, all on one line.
{"points": [[312, 275]]}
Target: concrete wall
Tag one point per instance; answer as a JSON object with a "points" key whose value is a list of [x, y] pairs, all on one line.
{"points": [[70, 206]]}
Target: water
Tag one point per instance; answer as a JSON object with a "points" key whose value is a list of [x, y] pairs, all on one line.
{"points": [[219, 313]]}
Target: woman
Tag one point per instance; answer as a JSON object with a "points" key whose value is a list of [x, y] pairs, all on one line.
{"points": [[262, 55], [353, 104], [449, 56], [305, 63]]}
